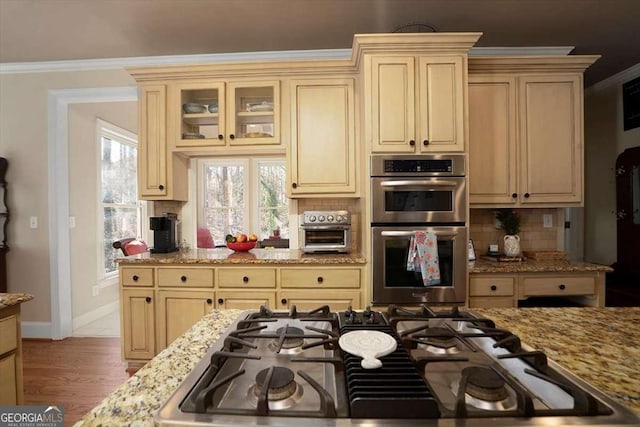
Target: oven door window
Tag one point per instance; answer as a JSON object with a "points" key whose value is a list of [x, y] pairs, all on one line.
{"points": [[396, 252], [418, 201], [315, 237]]}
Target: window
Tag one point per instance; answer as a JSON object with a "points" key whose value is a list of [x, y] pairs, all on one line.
{"points": [[119, 211], [243, 196]]}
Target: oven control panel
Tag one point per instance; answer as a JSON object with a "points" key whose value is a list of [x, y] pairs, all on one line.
{"points": [[326, 217]]}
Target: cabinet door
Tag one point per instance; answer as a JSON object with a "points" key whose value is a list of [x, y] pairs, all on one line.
{"points": [[8, 380], [253, 113], [309, 299], [178, 311], [199, 114], [492, 140], [138, 324], [245, 300], [551, 139], [322, 159], [441, 97], [392, 104], [152, 146]]}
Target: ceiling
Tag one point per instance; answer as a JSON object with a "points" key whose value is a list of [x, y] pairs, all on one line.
{"points": [[47, 30]]}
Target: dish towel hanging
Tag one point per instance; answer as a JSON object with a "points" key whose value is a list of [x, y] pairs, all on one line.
{"points": [[423, 257]]}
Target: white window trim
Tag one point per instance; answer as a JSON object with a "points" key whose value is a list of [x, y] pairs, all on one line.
{"points": [[109, 130]]}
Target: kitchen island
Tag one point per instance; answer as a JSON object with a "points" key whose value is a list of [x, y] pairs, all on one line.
{"points": [[597, 344]]}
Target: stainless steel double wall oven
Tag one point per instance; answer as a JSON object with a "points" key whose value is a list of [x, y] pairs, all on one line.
{"points": [[418, 192]]}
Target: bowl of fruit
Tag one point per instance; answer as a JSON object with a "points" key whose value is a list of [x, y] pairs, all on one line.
{"points": [[241, 242]]}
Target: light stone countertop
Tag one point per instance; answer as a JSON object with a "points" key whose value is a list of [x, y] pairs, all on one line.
{"points": [[254, 256], [10, 299], [534, 266], [600, 345]]}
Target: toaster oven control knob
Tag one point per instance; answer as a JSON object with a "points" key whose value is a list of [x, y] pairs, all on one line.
{"points": [[312, 218], [339, 218], [330, 218], [321, 218]]}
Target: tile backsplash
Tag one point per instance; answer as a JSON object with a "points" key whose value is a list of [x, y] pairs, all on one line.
{"points": [[533, 235]]}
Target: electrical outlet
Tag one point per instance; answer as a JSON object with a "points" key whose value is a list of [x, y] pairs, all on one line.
{"points": [[95, 290], [547, 220], [33, 222]]}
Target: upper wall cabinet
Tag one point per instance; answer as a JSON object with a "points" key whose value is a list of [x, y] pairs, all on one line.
{"points": [[417, 103], [161, 175], [322, 156], [526, 131], [226, 114]]}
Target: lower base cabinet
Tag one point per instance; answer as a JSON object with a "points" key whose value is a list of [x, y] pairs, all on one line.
{"points": [[178, 311], [505, 290], [11, 386], [138, 324], [245, 299], [310, 299]]}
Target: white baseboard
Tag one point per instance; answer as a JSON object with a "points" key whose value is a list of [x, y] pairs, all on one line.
{"points": [[85, 319], [36, 330]]}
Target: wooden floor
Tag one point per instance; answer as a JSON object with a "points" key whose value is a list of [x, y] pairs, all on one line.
{"points": [[75, 373]]}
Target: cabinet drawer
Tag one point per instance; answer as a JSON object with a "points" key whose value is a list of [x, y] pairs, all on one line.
{"points": [[247, 277], [187, 277], [320, 278], [8, 334], [558, 286], [306, 299], [491, 302], [136, 276], [491, 286]]}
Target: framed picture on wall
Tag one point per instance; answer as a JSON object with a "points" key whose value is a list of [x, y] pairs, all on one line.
{"points": [[631, 104]]}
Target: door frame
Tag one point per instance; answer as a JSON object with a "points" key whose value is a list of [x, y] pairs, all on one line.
{"points": [[58, 198]]}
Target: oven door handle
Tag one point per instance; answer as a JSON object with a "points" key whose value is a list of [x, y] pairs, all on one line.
{"points": [[410, 233], [413, 183]]}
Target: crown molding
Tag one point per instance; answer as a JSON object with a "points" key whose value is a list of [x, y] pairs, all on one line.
{"points": [[615, 80], [317, 54]]}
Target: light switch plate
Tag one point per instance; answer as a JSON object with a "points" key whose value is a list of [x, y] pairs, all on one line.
{"points": [[547, 220], [33, 222]]}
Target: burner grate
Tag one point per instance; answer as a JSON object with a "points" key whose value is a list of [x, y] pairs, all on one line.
{"points": [[397, 390]]}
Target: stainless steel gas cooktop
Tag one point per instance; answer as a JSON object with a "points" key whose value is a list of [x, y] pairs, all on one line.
{"points": [[450, 368]]}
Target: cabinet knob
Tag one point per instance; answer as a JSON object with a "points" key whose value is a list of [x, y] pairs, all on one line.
{"points": [[135, 278], [294, 185], [220, 137], [514, 195], [494, 287], [425, 142], [526, 195], [148, 299], [283, 300], [183, 278], [562, 286], [412, 143], [232, 136], [320, 279], [161, 187], [220, 300], [209, 301], [245, 279]]}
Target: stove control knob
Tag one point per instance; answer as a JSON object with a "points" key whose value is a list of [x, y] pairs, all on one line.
{"points": [[371, 320], [321, 218], [349, 312], [339, 218], [367, 312], [330, 218], [312, 218]]}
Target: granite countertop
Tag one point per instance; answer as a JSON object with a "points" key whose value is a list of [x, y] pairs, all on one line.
{"points": [[10, 299], [600, 347], [254, 256], [534, 266]]}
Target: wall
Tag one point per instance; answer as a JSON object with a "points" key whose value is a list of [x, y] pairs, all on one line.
{"points": [[24, 142], [533, 236], [83, 198], [605, 139]]}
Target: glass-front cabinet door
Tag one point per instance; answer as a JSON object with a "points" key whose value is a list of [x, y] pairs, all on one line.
{"points": [[253, 113], [228, 113]]}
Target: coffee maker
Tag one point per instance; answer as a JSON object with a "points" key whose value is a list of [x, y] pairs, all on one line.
{"points": [[165, 233]]}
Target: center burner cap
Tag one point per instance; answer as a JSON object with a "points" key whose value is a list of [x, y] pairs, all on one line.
{"points": [[294, 337]]}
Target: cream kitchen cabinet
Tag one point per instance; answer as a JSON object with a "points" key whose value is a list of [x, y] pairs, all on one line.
{"points": [[161, 174], [225, 114], [416, 103], [308, 299], [492, 291], [138, 323], [178, 310], [322, 158], [311, 288], [526, 131], [246, 299]]}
